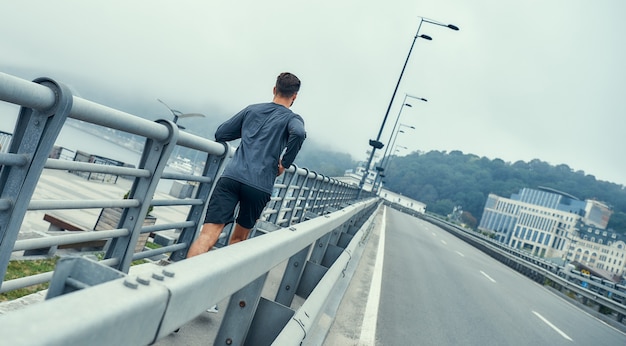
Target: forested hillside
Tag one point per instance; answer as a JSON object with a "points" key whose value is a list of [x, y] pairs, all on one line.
{"points": [[443, 180]]}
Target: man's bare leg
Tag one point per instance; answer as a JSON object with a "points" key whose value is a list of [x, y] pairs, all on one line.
{"points": [[240, 233], [209, 235]]}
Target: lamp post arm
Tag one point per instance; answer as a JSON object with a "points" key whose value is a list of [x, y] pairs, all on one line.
{"points": [[432, 21]]}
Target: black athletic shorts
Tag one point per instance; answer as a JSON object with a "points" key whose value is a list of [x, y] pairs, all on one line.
{"points": [[227, 194]]}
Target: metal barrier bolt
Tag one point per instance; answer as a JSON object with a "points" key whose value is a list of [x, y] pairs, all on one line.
{"points": [[131, 283], [168, 273], [143, 280]]}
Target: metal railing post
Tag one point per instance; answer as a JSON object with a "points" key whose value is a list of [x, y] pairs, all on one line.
{"points": [[295, 188], [154, 158], [279, 205], [213, 168], [314, 199], [34, 136], [307, 196]]}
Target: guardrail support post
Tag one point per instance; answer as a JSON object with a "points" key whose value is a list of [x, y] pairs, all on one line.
{"points": [[239, 313], [323, 255], [293, 273], [75, 273]]}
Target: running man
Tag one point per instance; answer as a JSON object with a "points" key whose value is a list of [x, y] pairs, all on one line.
{"points": [[266, 130]]}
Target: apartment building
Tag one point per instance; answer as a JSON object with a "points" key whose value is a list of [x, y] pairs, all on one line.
{"points": [[599, 249]]}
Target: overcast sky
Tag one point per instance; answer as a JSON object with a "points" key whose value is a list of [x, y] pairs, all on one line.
{"points": [[520, 80]]}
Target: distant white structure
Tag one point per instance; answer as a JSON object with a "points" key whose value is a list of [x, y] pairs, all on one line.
{"points": [[354, 178], [403, 201]]}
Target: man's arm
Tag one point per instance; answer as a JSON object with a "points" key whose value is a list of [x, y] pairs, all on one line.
{"points": [[297, 135], [231, 128]]}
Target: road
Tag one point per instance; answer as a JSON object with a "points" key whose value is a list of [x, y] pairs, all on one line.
{"points": [[438, 290]]}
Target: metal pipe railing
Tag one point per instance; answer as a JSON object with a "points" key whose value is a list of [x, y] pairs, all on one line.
{"points": [[299, 190]]}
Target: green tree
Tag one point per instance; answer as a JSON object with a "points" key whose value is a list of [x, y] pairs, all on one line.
{"points": [[469, 220], [443, 180]]}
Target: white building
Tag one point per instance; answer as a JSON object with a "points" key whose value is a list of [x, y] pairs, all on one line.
{"points": [[551, 224], [354, 178], [599, 249], [403, 201], [542, 231]]}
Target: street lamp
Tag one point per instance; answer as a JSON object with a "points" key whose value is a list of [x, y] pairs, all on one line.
{"points": [[394, 140], [376, 144], [398, 118], [384, 164], [178, 114]]}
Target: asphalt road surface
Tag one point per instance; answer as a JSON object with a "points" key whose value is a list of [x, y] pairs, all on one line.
{"points": [[438, 290]]}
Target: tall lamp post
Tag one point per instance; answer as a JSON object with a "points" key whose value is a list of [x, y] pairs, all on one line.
{"points": [[376, 144]]}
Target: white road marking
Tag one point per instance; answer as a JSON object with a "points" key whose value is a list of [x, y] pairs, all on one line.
{"points": [[368, 329], [434, 234], [460, 254], [443, 242], [552, 326], [487, 276]]}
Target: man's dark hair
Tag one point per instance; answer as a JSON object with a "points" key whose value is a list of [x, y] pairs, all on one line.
{"points": [[287, 84]]}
